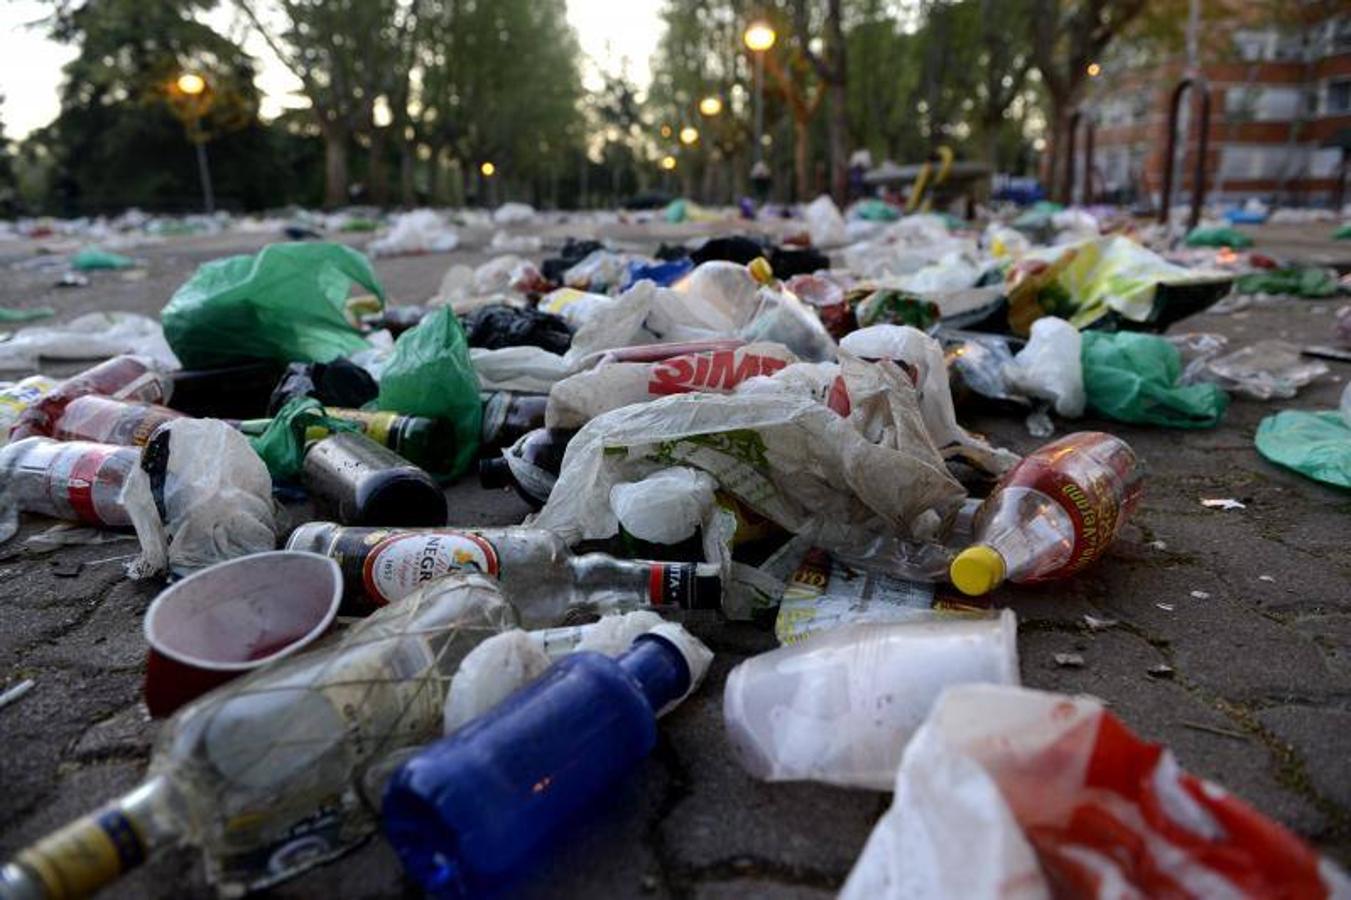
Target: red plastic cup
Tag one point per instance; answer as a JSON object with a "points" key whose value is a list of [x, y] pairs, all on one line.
{"points": [[233, 617]]}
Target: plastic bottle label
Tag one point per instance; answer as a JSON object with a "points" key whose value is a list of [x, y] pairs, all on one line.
{"points": [[401, 564]]}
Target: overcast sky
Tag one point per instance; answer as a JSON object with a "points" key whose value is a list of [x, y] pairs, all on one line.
{"points": [[615, 35]]}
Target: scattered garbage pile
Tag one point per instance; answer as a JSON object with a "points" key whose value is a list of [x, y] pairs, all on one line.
{"points": [[734, 428]]}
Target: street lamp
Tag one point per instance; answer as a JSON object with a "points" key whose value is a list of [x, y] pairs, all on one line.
{"points": [[668, 163], [759, 37], [710, 106], [488, 170], [689, 135], [1094, 70], [666, 131], [190, 99]]}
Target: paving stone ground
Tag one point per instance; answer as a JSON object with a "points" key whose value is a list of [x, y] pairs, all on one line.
{"points": [[1250, 607]]}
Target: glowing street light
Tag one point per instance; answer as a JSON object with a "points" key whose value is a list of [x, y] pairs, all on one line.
{"points": [[759, 37], [710, 106], [666, 131], [689, 135], [1094, 70], [668, 163], [191, 83], [488, 170]]}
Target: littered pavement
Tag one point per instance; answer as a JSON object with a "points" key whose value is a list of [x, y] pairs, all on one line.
{"points": [[1227, 636]]}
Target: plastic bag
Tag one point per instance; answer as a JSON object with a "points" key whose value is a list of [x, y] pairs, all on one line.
{"points": [[513, 214], [341, 383], [282, 446], [207, 498], [419, 231], [91, 336], [1049, 366], [17, 396], [430, 374], [1134, 378], [577, 399], [666, 507], [91, 258], [575, 307], [1010, 792], [527, 369], [504, 242], [1308, 281], [494, 327], [1218, 237], [1264, 370], [824, 593], [1315, 444], [285, 303], [824, 222], [840, 706]]}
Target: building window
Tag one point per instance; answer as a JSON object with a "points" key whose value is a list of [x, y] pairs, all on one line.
{"points": [[1339, 96]]}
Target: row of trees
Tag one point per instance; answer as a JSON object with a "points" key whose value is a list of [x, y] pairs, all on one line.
{"points": [[404, 99]]}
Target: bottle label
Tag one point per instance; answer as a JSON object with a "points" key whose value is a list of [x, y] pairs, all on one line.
{"points": [[85, 492], [400, 564], [675, 584], [84, 856]]}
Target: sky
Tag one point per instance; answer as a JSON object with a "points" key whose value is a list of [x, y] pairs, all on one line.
{"points": [[616, 36]]}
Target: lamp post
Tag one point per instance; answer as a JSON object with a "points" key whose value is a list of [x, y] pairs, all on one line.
{"points": [[759, 37], [710, 106], [190, 98]]}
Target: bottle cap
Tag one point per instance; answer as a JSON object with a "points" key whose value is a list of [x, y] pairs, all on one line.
{"points": [[494, 473], [761, 270], [977, 570]]}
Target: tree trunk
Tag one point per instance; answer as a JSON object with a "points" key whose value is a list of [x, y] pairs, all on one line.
{"points": [[1056, 157], [407, 189], [801, 153], [335, 166], [436, 181], [838, 122], [377, 168]]}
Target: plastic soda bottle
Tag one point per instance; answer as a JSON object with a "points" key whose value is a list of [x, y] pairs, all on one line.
{"points": [[108, 421], [76, 480], [123, 377], [1052, 514], [465, 814]]}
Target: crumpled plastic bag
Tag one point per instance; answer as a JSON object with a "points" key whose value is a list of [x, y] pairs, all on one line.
{"points": [[1310, 282], [824, 222], [89, 259], [496, 326], [1314, 444], [1011, 792], [430, 374], [282, 446], [1222, 236], [575, 307], [513, 214], [1134, 378], [92, 336], [788, 457], [528, 369], [207, 497], [1049, 366], [1263, 370], [419, 231], [286, 302], [923, 357], [580, 397], [666, 507], [839, 706], [505, 242]]}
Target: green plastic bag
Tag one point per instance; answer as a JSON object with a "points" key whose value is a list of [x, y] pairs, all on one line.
{"points": [[1306, 281], [430, 374], [1343, 233], [283, 303], [874, 210], [1316, 444], [91, 258], [1218, 237], [26, 315], [1133, 378], [282, 446]]}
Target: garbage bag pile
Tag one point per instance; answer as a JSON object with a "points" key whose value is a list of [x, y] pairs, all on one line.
{"points": [[729, 430]]}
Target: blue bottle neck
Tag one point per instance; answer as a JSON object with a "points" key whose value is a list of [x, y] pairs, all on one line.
{"points": [[658, 668]]}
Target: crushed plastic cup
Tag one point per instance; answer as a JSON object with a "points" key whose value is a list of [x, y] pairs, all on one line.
{"points": [[233, 618], [840, 706]]}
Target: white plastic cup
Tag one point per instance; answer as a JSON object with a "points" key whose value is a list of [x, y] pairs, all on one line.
{"points": [[840, 706]]}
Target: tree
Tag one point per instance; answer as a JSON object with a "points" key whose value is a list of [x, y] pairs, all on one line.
{"points": [[1065, 36]]}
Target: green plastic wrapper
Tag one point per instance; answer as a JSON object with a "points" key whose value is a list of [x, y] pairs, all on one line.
{"points": [[1343, 233], [430, 374], [1133, 378], [282, 446], [1315, 444], [1304, 281], [284, 303], [26, 315], [1218, 237], [874, 210], [91, 258]]}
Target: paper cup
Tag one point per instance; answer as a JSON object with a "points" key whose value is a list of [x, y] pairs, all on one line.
{"points": [[232, 618]]}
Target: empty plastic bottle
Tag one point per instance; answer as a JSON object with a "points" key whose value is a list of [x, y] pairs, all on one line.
{"points": [[468, 813], [123, 377], [76, 480], [18, 396], [108, 421], [1052, 514]]}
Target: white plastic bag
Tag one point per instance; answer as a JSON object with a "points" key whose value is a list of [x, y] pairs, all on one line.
{"points": [[575, 307], [824, 222], [216, 500], [1010, 792], [514, 214], [924, 357], [581, 397], [666, 507], [419, 231], [1049, 366], [840, 706], [92, 336], [505, 242], [533, 370]]}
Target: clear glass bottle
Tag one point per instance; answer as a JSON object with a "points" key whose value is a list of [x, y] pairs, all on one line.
{"points": [[1052, 514], [538, 574], [263, 773]]}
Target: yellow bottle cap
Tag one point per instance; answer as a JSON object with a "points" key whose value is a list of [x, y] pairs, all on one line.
{"points": [[761, 270], [977, 570]]}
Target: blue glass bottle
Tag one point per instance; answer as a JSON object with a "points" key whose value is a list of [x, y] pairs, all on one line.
{"points": [[469, 812]]}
